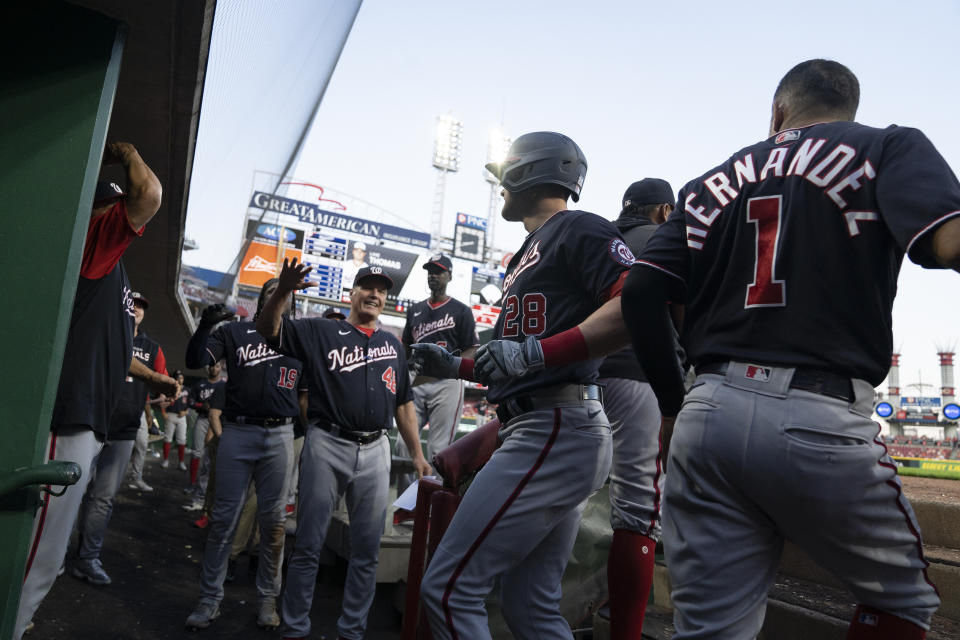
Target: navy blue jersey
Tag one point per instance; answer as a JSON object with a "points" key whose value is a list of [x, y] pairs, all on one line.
{"points": [[789, 251], [260, 382], [100, 341], [449, 324], [201, 393], [636, 232], [561, 274], [355, 381], [181, 403], [125, 421]]}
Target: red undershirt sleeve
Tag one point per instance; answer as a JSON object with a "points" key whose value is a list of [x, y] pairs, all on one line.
{"points": [[160, 364], [108, 236]]}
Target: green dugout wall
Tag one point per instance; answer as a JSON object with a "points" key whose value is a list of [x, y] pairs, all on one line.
{"points": [[59, 78]]}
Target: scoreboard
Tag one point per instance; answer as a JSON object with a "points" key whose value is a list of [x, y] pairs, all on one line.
{"points": [[325, 254]]}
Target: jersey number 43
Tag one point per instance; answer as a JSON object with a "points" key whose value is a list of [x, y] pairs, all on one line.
{"points": [[527, 315]]}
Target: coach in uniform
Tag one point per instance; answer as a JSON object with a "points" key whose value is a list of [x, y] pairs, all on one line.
{"points": [[358, 380], [96, 360], [520, 516], [449, 323], [634, 416], [107, 473], [257, 442]]}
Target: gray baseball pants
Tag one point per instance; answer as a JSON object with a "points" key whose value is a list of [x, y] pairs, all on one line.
{"points": [[636, 472], [331, 467], [140, 449], [519, 520], [54, 521], [245, 452], [755, 462], [97, 506], [439, 403], [175, 425]]}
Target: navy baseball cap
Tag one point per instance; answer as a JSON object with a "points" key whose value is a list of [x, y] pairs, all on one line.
{"points": [[138, 298], [107, 190], [439, 260], [373, 272], [648, 191], [334, 313]]}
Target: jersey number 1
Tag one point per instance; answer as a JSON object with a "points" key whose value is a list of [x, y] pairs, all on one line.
{"points": [[765, 290]]}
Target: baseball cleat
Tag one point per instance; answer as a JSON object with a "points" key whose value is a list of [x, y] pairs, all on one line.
{"points": [[202, 522], [203, 615], [91, 571], [182, 466], [267, 616], [165, 463], [140, 485], [196, 505]]}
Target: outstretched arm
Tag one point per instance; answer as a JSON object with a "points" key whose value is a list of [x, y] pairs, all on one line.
{"points": [[292, 278]]}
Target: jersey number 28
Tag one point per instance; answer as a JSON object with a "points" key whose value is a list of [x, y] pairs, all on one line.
{"points": [[528, 315]]}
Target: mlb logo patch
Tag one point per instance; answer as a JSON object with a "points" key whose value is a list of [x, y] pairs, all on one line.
{"points": [[760, 374], [869, 619], [787, 136]]}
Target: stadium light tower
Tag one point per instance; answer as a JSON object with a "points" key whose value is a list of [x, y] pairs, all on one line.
{"points": [[447, 148], [498, 144]]}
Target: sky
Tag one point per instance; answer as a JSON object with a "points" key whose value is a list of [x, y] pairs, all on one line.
{"points": [[646, 89]]}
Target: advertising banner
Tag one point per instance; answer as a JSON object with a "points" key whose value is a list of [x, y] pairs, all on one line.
{"points": [[312, 214], [269, 232], [260, 263]]}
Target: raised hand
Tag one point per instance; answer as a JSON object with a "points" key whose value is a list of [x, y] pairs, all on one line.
{"points": [[215, 314], [293, 276]]}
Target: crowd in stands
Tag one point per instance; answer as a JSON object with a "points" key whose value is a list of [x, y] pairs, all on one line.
{"points": [[922, 447]]}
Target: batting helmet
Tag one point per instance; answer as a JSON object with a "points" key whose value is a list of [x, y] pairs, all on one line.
{"points": [[543, 157]]}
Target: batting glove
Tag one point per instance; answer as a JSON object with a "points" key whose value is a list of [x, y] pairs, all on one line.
{"points": [[502, 359], [215, 314], [433, 360]]}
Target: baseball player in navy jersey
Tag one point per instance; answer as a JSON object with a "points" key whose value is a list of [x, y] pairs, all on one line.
{"points": [[519, 518], [200, 395], [637, 469], [257, 442], [175, 425], [449, 323], [111, 464], [358, 381], [786, 257], [97, 358]]}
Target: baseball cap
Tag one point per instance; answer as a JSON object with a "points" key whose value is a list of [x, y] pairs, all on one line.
{"points": [[648, 191], [359, 245], [107, 190], [138, 297], [334, 313], [439, 260], [373, 272]]}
